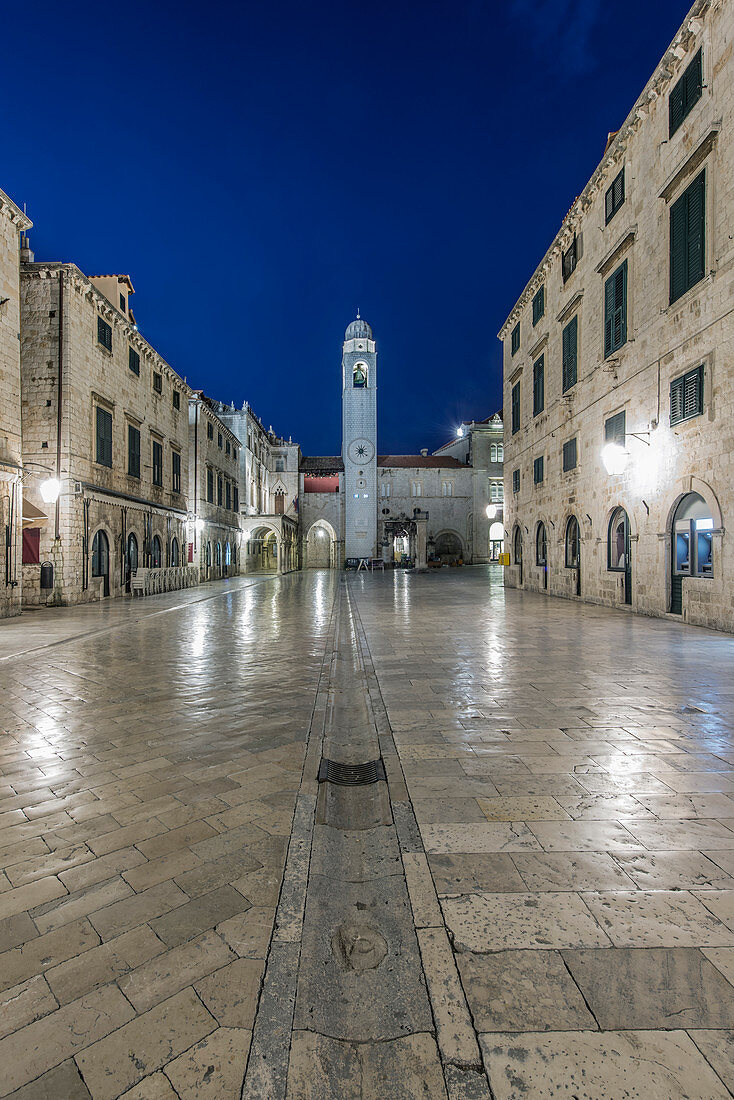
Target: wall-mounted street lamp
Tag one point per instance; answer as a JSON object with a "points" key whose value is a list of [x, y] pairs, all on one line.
{"points": [[50, 487], [460, 432], [615, 457]]}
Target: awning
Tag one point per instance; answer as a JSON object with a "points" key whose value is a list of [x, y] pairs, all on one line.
{"points": [[32, 516]]}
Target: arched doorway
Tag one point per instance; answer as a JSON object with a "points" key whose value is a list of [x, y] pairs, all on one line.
{"points": [[541, 551], [227, 557], [496, 541], [218, 558], [156, 554], [263, 551], [320, 546], [208, 559], [131, 559], [448, 548], [618, 549], [517, 551], [175, 553], [101, 560], [691, 554], [573, 549]]}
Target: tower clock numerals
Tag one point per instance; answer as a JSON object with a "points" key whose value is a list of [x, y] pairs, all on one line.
{"points": [[361, 450]]}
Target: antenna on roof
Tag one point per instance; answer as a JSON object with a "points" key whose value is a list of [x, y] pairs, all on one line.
{"points": [[358, 317]]}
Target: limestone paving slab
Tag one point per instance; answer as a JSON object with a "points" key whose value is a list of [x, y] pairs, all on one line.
{"points": [[496, 922]]}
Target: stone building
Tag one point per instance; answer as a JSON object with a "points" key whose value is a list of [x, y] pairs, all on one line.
{"points": [[618, 359], [269, 505], [104, 412], [400, 508], [13, 222], [214, 492]]}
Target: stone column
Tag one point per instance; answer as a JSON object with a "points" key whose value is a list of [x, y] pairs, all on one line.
{"points": [[421, 527]]}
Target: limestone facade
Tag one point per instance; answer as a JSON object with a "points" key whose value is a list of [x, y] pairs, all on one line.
{"points": [[12, 223], [103, 411], [214, 492], [623, 342]]}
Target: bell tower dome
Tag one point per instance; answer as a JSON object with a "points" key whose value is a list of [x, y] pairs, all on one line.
{"points": [[359, 439]]}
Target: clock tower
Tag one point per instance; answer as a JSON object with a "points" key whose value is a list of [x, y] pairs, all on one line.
{"points": [[359, 440]]}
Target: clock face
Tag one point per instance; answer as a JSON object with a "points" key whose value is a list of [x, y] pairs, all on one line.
{"points": [[361, 450]]}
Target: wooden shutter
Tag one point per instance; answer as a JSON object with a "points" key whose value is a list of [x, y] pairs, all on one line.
{"points": [[615, 310], [676, 400], [570, 344], [615, 429], [538, 385], [104, 437], [695, 231], [693, 393], [678, 247]]}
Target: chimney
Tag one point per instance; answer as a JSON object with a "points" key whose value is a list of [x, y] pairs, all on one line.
{"points": [[424, 452], [27, 256]]}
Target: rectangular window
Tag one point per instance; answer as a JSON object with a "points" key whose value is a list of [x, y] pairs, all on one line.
{"points": [[176, 471], [515, 339], [538, 470], [176, 399], [615, 310], [688, 238], [685, 94], [538, 385], [228, 448], [569, 259], [615, 429], [157, 382], [447, 488], [569, 455], [104, 334], [234, 453], [539, 305], [209, 430], [385, 489], [133, 451], [220, 493], [157, 463], [235, 499], [686, 396], [210, 486], [416, 489], [219, 440], [570, 353], [133, 361], [614, 197], [104, 437], [516, 481], [516, 408], [496, 492], [228, 496]]}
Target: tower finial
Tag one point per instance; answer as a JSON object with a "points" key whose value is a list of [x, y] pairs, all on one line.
{"points": [[358, 317]]}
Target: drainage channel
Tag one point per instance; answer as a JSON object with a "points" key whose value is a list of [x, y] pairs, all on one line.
{"points": [[345, 1010]]}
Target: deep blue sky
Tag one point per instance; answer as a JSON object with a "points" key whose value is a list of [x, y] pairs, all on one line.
{"points": [[259, 170]]}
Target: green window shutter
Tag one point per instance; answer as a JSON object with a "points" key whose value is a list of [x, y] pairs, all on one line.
{"points": [[688, 238], [104, 437], [570, 354], [615, 429], [516, 408], [539, 385], [615, 310], [133, 451], [685, 94], [515, 339]]}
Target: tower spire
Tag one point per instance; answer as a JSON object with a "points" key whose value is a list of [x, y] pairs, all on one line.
{"points": [[358, 317]]}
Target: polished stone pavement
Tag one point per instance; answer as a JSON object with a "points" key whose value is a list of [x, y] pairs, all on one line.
{"points": [[562, 787]]}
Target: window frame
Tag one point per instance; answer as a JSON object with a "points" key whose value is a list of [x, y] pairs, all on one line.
{"points": [[175, 399], [133, 453], [572, 522], [685, 93], [515, 406], [616, 285], [104, 333], [681, 209], [156, 463], [176, 471], [538, 304], [569, 259], [516, 480], [541, 535], [566, 452], [615, 428], [614, 197], [209, 485], [133, 360], [681, 383], [572, 326], [539, 470], [539, 385]]}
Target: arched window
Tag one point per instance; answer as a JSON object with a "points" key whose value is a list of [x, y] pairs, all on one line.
{"points": [[227, 554], [618, 541], [493, 453], [573, 543], [359, 375], [132, 553], [692, 528], [218, 558], [174, 551], [541, 545], [156, 553], [100, 555], [208, 555], [517, 546], [500, 452]]}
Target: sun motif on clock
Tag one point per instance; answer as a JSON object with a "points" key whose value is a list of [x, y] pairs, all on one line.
{"points": [[361, 450]]}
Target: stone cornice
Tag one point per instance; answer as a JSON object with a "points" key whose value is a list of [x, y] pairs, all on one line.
{"points": [[14, 213], [667, 70], [692, 162]]}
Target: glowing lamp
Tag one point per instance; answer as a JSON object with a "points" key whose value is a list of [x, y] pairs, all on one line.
{"points": [[491, 511], [50, 489], [199, 525], [459, 432], [614, 458]]}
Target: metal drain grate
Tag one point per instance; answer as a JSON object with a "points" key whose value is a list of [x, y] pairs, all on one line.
{"points": [[351, 775]]}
